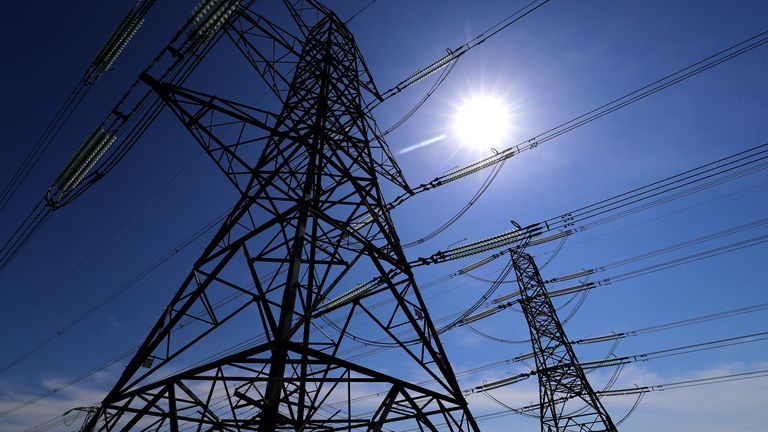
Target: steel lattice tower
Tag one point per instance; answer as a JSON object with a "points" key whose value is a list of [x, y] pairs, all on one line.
{"points": [[567, 400], [311, 221]]}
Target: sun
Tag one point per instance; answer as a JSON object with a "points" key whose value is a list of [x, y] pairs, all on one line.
{"points": [[482, 121]]}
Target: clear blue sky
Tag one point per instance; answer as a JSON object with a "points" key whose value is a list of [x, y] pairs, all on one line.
{"points": [[563, 60]]}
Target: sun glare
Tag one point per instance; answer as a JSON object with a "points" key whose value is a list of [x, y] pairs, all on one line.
{"points": [[482, 122]]}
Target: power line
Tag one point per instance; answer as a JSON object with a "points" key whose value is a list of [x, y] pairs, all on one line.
{"points": [[651, 195], [180, 57], [452, 253], [359, 11], [102, 62], [718, 379], [112, 295], [458, 52], [461, 373], [627, 359], [114, 232], [671, 183], [504, 302], [667, 81], [663, 250], [711, 380]]}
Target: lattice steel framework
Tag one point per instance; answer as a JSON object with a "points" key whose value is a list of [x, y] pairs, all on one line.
{"points": [[307, 177], [568, 402]]}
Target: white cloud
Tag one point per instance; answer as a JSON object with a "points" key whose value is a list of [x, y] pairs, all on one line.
{"points": [[726, 407], [47, 408], [731, 406]]}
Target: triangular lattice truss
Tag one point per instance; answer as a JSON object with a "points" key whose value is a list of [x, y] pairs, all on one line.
{"points": [[567, 400], [274, 281]]}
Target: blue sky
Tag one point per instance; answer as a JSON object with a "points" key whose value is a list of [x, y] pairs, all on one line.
{"points": [[561, 61]]}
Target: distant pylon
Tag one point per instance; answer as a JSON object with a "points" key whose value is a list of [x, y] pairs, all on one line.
{"points": [[311, 221], [567, 400]]}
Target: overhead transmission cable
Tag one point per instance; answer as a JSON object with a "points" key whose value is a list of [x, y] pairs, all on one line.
{"points": [[459, 51], [628, 359], [72, 182], [611, 362], [562, 242], [113, 294], [102, 62], [717, 379], [407, 116], [618, 206], [702, 177], [533, 408], [66, 420], [507, 300], [122, 225], [499, 241], [359, 11], [475, 248], [504, 302], [672, 79], [130, 118], [666, 250], [654, 87], [453, 219], [461, 373], [597, 113], [447, 63]]}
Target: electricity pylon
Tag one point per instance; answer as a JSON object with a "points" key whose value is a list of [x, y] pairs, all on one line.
{"points": [[567, 400], [311, 220]]}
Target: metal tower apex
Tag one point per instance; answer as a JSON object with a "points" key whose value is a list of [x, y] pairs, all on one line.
{"points": [[307, 177]]}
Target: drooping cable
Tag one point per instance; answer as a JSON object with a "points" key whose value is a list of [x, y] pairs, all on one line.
{"points": [[93, 161], [731, 247], [632, 409], [625, 360], [757, 374], [506, 301], [112, 295], [502, 303], [614, 336], [102, 62], [70, 105], [24, 233], [439, 230], [663, 250], [443, 76], [654, 87], [455, 54], [359, 11], [122, 225], [654, 194]]}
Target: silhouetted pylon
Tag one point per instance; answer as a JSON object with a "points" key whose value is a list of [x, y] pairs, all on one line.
{"points": [[277, 280], [567, 400]]}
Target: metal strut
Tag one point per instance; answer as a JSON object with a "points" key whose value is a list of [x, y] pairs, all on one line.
{"points": [[305, 176], [568, 402]]}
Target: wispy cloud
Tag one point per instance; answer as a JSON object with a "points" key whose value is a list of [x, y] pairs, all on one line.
{"points": [[725, 407], [53, 406], [728, 406]]}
